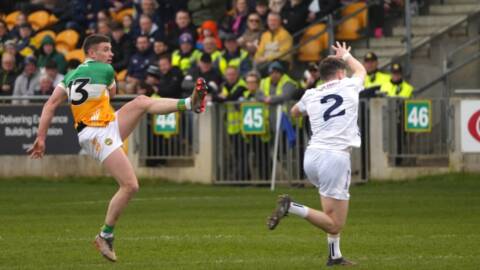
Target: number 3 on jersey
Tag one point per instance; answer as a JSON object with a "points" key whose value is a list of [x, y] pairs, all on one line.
{"points": [[76, 88], [329, 112]]}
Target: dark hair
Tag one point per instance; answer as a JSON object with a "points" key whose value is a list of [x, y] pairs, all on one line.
{"points": [[329, 66], [143, 36], [165, 56], [73, 63], [93, 40], [116, 26], [51, 65]]}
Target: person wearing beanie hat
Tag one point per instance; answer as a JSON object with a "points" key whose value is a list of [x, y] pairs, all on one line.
{"points": [[185, 57], [397, 86]]}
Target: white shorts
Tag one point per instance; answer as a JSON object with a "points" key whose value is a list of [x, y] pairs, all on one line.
{"points": [[100, 142], [329, 171]]}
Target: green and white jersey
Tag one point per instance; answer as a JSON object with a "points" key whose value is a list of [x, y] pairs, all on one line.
{"points": [[87, 88]]}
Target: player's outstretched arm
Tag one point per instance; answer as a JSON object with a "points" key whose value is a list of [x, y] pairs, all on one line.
{"points": [[343, 52], [38, 148]]}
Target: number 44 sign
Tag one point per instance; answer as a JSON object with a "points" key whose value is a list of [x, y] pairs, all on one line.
{"points": [[253, 115], [418, 115], [165, 124]]}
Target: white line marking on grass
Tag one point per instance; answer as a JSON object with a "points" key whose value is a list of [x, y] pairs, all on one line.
{"points": [[169, 198]]}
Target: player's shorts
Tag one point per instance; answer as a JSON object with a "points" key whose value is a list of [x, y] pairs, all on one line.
{"points": [[329, 171], [100, 142]]}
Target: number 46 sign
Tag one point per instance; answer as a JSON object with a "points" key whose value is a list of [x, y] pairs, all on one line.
{"points": [[253, 116], [418, 115]]}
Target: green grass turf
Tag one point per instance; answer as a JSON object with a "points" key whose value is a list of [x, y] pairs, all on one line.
{"points": [[432, 223]]}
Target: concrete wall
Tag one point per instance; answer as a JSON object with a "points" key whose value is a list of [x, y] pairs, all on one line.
{"points": [[202, 170], [81, 165], [380, 168]]}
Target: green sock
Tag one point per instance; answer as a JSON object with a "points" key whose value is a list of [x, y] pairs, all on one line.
{"points": [[107, 229], [181, 105]]}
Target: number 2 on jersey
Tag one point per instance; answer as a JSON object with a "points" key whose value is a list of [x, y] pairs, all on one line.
{"points": [[78, 85], [338, 101]]}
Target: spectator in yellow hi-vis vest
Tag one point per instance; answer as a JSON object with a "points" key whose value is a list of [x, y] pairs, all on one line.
{"points": [[185, 57], [375, 78], [234, 56], [397, 86], [278, 87]]}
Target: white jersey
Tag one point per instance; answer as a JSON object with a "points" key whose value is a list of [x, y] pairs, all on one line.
{"points": [[333, 111]]}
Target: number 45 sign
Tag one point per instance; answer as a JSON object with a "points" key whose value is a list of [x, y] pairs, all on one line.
{"points": [[253, 116], [418, 115]]}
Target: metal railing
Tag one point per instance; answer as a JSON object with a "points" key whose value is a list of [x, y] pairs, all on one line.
{"points": [[248, 159], [157, 147], [417, 149], [449, 67], [413, 47]]}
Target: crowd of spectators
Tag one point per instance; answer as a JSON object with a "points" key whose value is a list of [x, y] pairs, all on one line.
{"points": [[163, 46]]}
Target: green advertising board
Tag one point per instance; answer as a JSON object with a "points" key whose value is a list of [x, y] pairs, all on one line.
{"points": [[253, 118], [165, 125], [418, 115]]}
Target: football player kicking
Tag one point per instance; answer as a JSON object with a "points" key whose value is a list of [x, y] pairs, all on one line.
{"points": [[333, 110], [101, 130]]}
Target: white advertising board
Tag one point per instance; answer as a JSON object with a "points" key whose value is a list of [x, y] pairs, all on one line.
{"points": [[470, 126]]}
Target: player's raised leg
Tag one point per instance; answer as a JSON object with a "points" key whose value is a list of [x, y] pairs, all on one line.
{"points": [[129, 115], [118, 165]]}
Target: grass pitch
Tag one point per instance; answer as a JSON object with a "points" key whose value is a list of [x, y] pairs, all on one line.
{"points": [[432, 223]]}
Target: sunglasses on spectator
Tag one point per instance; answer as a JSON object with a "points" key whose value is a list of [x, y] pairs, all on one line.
{"points": [[254, 20], [252, 81]]}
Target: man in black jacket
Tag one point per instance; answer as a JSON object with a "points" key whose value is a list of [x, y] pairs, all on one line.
{"points": [[122, 47], [206, 70], [183, 24], [170, 85]]}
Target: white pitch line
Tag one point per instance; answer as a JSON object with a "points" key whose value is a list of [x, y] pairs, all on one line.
{"points": [[169, 198]]}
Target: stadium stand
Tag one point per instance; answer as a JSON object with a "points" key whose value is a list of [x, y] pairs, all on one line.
{"points": [[66, 40]]}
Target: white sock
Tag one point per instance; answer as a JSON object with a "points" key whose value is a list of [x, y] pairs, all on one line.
{"points": [[334, 246], [188, 103], [298, 209], [105, 235]]}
